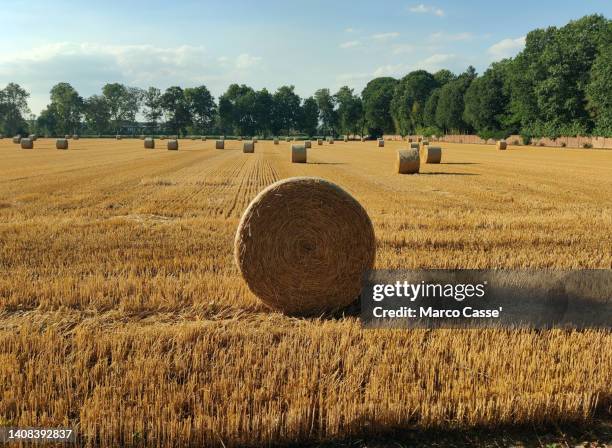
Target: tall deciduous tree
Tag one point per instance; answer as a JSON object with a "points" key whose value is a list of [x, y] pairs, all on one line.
{"points": [[68, 106], [350, 111], [13, 107], [176, 108], [409, 99], [97, 114], [202, 107], [309, 116], [327, 114], [286, 110], [377, 96]]}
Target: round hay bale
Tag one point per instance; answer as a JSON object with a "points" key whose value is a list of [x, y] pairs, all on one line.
{"points": [[61, 143], [298, 154], [431, 154], [323, 242], [248, 147], [149, 143], [345, 139], [222, 137], [26, 143], [75, 137], [276, 141], [381, 143], [425, 142], [194, 138], [414, 145], [239, 139], [220, 144], [173, 145], [331, 141], [287, 139], [1, 137], [502, 145], [118, 137], [203, 139], [17, 139], [319, 141], [162, 137], [33, 137], [408, 161], [307, 144], [142, 137], [255, 140], [67, 136], [362, 139]]}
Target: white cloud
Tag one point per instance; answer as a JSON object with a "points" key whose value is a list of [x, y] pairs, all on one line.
{"points": [[391, 70], [426, 9], [349, 30], [385, 36], [245, 60], [435, 62], [443, 37], [506, 48], [403, 48], [350, 44]]}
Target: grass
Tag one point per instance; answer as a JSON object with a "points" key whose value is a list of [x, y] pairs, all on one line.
{"points": [[122, 313]]}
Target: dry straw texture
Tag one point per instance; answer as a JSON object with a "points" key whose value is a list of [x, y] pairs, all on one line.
{"points": [[173, 145], [381, 143], [26, 143], [303, 244], [431, 154], [408, 161], [307, 144], [61, 143], [149, 143], [220, 144], [298, 153], [248, 147], [501, 145]]}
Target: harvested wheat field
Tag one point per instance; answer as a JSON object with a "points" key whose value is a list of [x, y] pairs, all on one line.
{"points": [[122, 313]]}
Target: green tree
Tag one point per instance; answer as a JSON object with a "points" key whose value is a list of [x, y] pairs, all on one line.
{"points": [[13, 107], [409, 99], [124, 103], [350, 111], [431, 105], [47, 121], [286, 110], [599, 89], [376, 97], [97, 114], [263, 110], [444, 76], [68, 107], [202, 107], [309, 117], [153, 111], [449, 111], [176, 107], [327, 114]]}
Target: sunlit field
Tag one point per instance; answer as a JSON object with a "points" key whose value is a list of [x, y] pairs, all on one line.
{"points": [[123, 315]]}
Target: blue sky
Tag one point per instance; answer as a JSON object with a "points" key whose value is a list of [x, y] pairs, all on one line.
{"points": [[310, 44]]}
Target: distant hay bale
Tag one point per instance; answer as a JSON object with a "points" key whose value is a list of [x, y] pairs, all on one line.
{"points": [[298, 154], [17, 139], [381, 143], [162, 137], [409, 140], [255, 140], [203, 138], [307, 144], [275, 140], [220, 144], [431, 154], [118, 137], [61, 143], [323, 242], [239, 139], [26, 143], [287, 139], [408, 161], [33, 137], [502, 145], [425, 142], [248, 147], [330, 141], [414, 145], [362, 139], [1, 137], [142, 137], [173, 145], [75, 137], [319, 141], [193, 137], [149, 143], [345, 138], [222, 137]]}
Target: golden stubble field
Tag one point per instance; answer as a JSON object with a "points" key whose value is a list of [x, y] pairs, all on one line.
{"points": [[122, 313]]}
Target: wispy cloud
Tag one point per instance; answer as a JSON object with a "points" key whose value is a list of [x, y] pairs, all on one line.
{"points": [[349, 30], [385, 36], [445, 37], [350, 44], [506, 48], [426, 9], [246, 60], [403, 48], [435, 62]]}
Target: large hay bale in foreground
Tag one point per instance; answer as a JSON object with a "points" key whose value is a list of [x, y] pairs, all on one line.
{"points": [[431, 154], [298, 154], [149, 143], [220, 144], [173, 145], [303, 245], [381, 143], [61, 143], [408, 161], [248, 147], [17, 139], [26, 143], [414, 145], [502, 145], [307, 144]]}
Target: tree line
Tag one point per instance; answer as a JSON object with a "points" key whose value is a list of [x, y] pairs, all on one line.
{"points": [[560, 84]]}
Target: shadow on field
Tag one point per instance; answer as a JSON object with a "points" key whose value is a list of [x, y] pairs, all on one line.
{"points": [[440, 173], [595, 434]]}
